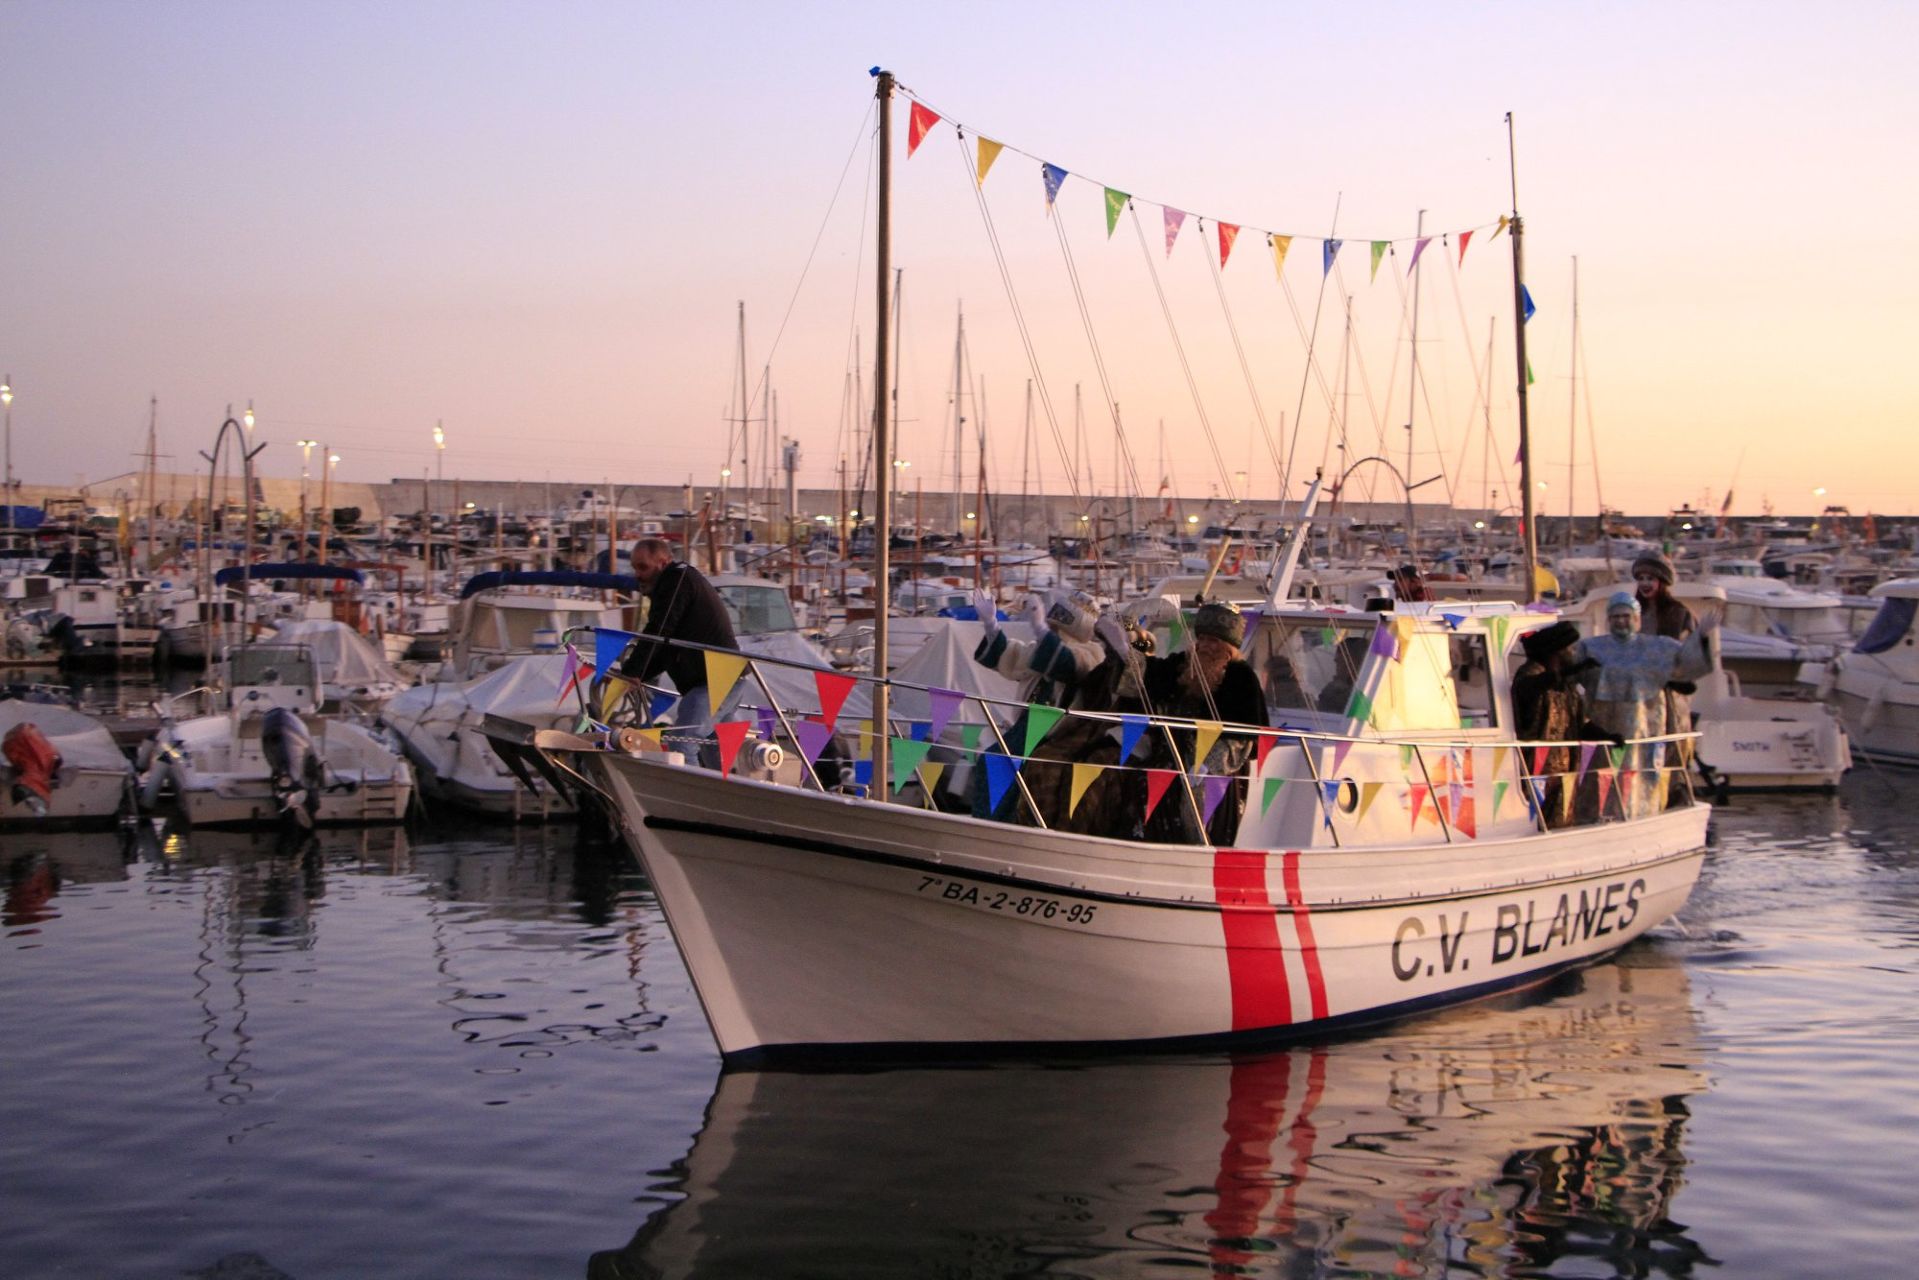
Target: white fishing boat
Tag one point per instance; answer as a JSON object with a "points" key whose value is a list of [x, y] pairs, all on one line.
{"points": [[1875, 686], [1398, 850], [506, 614], [1387, 862], [59, 769], [269, 757], [1772, 628]]}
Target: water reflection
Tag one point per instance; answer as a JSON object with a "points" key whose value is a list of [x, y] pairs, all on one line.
{"points": [[39, 864], [1498, 1140]]}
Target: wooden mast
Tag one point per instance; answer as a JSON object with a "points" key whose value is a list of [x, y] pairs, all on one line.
{"points": [[1528, 534], [882, 447]]}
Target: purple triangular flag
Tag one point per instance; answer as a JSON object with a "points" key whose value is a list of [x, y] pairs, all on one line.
{"points": [[1586, 752], [1215, 792], [813, 737], [1418, 249], [769, 721], [1384, 644], [944, 703]]}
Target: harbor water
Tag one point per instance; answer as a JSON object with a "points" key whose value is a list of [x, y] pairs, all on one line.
{"points": [[468, 1050]]}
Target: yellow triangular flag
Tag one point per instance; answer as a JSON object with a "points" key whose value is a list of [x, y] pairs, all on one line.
{"points": [[930, 776], [1402, 636], [1209, 731], [651, 735], [1566, 784], [610, 696], [1280, 245], [988, 152], [1499, 759], [866, 740], [1083, 776], [1368, 792], [722, 673]]}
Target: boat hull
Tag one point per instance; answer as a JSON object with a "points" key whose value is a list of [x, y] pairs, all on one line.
{"points": [[814, 923], [250, 802]]}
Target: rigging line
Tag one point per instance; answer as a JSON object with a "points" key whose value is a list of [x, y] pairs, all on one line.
{"points": [[871, 113], [1099, 356], [1421, 387], [964, 128], [1482, 382], [1245, 366], [1312, 344], [1592, 433], [1152, 269], [1019, 322], [849, 413]]}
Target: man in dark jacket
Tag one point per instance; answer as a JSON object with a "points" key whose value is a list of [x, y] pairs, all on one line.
{"points": [[681, 605]]}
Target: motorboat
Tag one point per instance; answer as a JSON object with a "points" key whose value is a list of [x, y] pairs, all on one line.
{"points": [[1746, 742], [59, 769], [440, 725], [268, 756], [1397, 853], [504, 614], [1875, 685], [352, 671], [1772, 627]]}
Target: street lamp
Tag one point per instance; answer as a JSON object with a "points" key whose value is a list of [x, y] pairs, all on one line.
{"points": [[248, 419], [306, 456], [6, 398]]}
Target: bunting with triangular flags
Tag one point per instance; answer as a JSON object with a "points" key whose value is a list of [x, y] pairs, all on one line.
{"points": [[988, 152], [1539, 759], [970, 735], [1416, 799], [1403, 629], [1084, 775], [923, 118], [907, 755], [608, 646], [1499, 793], [1503, 221], [577, 672], [659, 704], [1130, 730], [1227, 234], [1053, 176], [1040, 720], [832, 687], [1379, 251], [1328, 251], [722, 673], [1340, 751], [1605, 787], [1368, 792], [1498, 626], [1205, 734], [731, 735], [610, 694], [1280, 245], [1175, 218], [942, 703], [1262, 748], [1419, 247], [1465, 238], [1586, 753], [1115, 202], [1361, 707], [930, 773], [812, 737], [1000, 772], [1157, 780], [1272, 786], [1405, 756], [1215, 790], [1499, 759]]}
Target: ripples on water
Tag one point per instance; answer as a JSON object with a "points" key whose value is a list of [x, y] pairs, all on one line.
{"points": [[474, 1052]]}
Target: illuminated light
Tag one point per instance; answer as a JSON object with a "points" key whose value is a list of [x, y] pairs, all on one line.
{"points": [[469, 506], [1479, 524], [439, 436], [1192, 519], [333, 457], [1687, 526], [854, 513], [249, 416], [971, 516], [6, 390]]}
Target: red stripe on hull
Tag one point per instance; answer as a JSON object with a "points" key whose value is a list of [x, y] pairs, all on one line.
{"points": [[1302, 922], [1255, 965]]}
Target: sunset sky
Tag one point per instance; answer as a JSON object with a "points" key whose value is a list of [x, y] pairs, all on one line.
{"points": [[536, 223]]}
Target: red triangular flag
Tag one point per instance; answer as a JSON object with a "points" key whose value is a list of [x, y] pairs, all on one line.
{"points": [[916, 128], [833, 688], [1539, 759], [1227, 234], [1465, 238], [582, 672], [1418, 793], [1157, 780], [1605, 787], [732, 735], [1263, 746]]}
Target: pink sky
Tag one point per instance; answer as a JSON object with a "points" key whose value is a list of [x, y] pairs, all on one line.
{"points": [[535, 223]]}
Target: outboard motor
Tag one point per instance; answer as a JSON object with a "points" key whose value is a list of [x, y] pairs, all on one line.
{"points": [[298, 772], [34, 763]]}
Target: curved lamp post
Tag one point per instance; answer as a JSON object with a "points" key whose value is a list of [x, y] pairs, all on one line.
{"points": [[246, 549]]}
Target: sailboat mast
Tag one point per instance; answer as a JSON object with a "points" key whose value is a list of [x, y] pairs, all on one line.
{"points": [[1572, 411], [959, 421], [1529, 535], [149, 477], [882, 452], [1025, 470], [1412, 388]]}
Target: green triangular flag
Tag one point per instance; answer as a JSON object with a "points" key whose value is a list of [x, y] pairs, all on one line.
{"points": [[1618, 756], [908, 755], [1379, 251], [1529, 371], [1361, 707], [1499, 793], [1176, 631], [1329, 636], [1115, 201], [1039, 722], [1272, 789], [1405, 756], [969, 735]]}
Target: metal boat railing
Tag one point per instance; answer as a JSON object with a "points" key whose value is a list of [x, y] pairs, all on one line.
{"points": [[634, 701]]}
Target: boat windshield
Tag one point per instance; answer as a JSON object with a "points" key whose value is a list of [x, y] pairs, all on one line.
{"points": [[1889, 625], [260, 664], [758, 610], [1440, 680]]}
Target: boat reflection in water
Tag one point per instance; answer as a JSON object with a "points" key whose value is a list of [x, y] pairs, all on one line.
{"points": [[1496, 1139]]}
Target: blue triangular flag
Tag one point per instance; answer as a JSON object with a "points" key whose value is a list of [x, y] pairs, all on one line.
{"points": [[661, 701], [1130, 730], [1452, 620], [608, 645], [1054, 175], [1331, 250], [863, 773], [1000, 771], [1528, 309]]}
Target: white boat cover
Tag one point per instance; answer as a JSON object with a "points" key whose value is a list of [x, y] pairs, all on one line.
{"points": [[82, 741], [345, 657], [526, 689], [942, 660]]}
